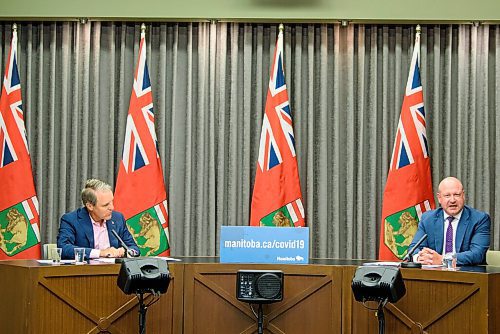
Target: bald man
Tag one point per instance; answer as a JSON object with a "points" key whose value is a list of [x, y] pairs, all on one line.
{"points": [[455, 227]]}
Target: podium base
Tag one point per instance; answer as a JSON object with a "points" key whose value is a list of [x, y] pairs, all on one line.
{"points": [[414, 265]]}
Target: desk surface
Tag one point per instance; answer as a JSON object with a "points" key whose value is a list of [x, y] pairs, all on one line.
{"points": [[215, 260]]}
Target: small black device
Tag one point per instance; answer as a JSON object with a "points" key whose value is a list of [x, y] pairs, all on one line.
{"points": [[259, 286]]}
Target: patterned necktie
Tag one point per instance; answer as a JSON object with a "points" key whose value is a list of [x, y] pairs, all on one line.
{"points": [[449, 236]]}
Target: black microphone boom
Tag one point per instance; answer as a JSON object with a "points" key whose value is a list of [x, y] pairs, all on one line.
{"points": [[409, 255], [120, 240]]}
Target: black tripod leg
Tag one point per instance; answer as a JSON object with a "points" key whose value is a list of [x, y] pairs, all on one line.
{"points": [[260, 320], [381, 318], [142, 313]]}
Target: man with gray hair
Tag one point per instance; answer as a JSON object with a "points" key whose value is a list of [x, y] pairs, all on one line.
{"points": [[92, 226]]}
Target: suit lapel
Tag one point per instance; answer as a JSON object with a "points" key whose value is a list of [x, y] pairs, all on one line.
{"points": [[461, 228], [439, 230], [84, 221]]}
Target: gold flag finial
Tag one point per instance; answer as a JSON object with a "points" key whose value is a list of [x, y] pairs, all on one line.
{"points": [[419, 30], [281, 27], [14, 27], [143, 28]]}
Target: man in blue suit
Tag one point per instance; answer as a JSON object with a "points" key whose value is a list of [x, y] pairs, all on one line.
{"points": [[90, 227], [454, 227]]}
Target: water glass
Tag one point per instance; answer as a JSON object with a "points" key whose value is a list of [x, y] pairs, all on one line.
{"points": [[79, 255], [450, 261], [55, 255]]}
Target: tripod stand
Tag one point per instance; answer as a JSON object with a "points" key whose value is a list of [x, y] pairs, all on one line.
{"points": [[380, 316], [143, 308], [142, 312]]}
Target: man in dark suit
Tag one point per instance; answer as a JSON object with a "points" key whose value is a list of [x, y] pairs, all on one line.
{"points": [[90, 227], [453, 228]]}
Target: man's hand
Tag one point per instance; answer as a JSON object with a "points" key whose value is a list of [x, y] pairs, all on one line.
{"points": [[112, 252], [429, 256]]}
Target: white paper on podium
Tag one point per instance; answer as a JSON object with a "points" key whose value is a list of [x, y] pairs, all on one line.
{"points": [[383, 263]]}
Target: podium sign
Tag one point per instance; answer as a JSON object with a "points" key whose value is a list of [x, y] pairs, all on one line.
{"points": [[250, 244]]}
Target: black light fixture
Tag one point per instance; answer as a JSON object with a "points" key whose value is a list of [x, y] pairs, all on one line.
{"points": [[380, 284], [144, 275], [259, 287]]}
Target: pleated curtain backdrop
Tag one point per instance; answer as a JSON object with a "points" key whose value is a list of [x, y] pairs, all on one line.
{"points": [[209, 84]]}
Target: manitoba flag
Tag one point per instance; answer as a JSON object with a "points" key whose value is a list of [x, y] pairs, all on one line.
{"points": [[408, 191], [140, 190], [277, 198], [19, 220]]}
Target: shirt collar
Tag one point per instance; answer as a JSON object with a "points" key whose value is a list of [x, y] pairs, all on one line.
{"points": [[457, 216], [94, 223]]}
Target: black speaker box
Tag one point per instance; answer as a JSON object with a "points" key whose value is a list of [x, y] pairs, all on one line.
{"points": [[378, 283], [259, 286], [143, 275]]}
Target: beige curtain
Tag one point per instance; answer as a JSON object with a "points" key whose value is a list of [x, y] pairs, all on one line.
{"points": [[209, 85]]}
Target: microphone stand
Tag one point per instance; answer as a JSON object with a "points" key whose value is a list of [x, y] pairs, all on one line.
{"points": [[411, 264], [409, 256]]}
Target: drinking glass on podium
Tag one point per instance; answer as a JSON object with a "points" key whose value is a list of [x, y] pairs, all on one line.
{"points": [[450, 261], [55, 255], [79, 255]]}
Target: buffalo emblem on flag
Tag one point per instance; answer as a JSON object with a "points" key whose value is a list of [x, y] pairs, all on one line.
{"points": [[147, 233], [401, 226], [16, 233]]}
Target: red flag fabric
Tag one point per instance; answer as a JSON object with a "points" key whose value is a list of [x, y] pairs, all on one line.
{"points": [[19, 213], [408, 191], [140, 190], [277, 198]]}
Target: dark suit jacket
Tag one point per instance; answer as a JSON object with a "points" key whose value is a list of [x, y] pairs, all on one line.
{"points": [[472, 238], [76, 230]]}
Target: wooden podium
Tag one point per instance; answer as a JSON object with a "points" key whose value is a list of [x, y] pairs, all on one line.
{"points": [[39, 298], [312, 300], [201, 299], [436, 301]]}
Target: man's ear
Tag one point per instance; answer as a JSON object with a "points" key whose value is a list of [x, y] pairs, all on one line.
{"points": [[89, 206]]}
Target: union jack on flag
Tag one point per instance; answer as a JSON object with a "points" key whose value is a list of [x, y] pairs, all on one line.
{"points": [[7, 153], [134, 153], [140, 190], [12, 86], [411, 138], [277, 118], [277, 198]]}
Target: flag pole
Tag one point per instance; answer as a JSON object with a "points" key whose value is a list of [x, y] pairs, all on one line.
{"points": [[418, 30]]}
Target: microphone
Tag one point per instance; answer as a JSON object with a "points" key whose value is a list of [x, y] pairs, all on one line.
{"points": [[130, 252], [409, 255]]}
